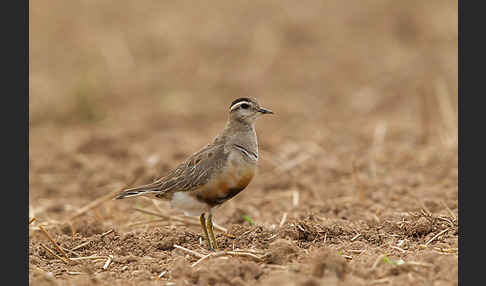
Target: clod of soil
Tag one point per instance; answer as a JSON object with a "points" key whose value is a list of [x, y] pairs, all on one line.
{"points": [[218, 271], [327, 262], [282, 251]]}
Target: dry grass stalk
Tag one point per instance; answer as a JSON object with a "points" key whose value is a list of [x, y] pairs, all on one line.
{"points": [[358, 251], [414, 263], [70, 251], [167, 217], [201, 260], [73, 273], [283, 220], [189, 251], [254, 251], [73, 230], [187, 221], [355, 237], [224, 253], [272, 236], [93, 257], [275, 266], [32, 220], [380, 281], [436, 236], [108, 262], [106, 233], [446, 110], [425, 211], [295, 198], [300, 227], [55, 255], [94, 204], [53, 242], [449, 210], [398, 248], [156, 204], [358, 185], [451, 224], [81, 245], [146, 222], [446, 250]]}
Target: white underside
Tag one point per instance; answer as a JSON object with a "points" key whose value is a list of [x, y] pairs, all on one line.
{"points": [[189, 205]]}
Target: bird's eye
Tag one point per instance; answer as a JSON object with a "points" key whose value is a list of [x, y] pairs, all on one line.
{"points": [[244, 106]]}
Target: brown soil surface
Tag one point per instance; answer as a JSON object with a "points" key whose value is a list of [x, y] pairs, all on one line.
{"points": [[358, 170]]}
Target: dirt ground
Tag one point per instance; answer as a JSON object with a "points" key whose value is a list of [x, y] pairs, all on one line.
{"points": [[358, 173]]}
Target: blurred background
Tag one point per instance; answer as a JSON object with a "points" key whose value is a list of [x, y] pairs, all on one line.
{"points": [[120, 92], [96, 61]]}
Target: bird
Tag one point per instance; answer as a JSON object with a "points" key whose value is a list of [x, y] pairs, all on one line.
{"points": [[214, 174]]}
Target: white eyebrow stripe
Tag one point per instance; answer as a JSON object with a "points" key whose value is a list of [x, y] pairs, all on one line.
{"points": [[238, 104], [246, 152]]}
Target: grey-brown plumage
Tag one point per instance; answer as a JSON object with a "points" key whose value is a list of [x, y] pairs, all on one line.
{"points": [[194, 172], [217, 172]]}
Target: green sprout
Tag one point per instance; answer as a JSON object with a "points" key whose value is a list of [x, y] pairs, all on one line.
{"points": [[248, 219], [388, 260], [392, 262]]}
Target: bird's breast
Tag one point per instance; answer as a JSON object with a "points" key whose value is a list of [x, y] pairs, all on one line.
{"points": [[232, 180]]}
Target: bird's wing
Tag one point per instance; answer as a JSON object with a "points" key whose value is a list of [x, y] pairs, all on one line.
{"points": [[194, 172]]}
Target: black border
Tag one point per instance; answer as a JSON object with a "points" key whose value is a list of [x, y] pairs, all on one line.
{"points": [[15, 141], [471, 120]]}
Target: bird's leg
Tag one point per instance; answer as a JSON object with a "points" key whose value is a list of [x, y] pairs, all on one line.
{"points": [[211, 231], [202, 218]]}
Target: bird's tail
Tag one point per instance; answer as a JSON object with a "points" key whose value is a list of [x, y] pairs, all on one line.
{"points": [[139, 191]]}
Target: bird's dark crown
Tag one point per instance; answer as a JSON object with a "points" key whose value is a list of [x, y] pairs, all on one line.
{"points": [[242, 99]]}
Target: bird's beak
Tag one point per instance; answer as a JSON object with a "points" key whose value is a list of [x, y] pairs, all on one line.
{"points": [[264, 111]]}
